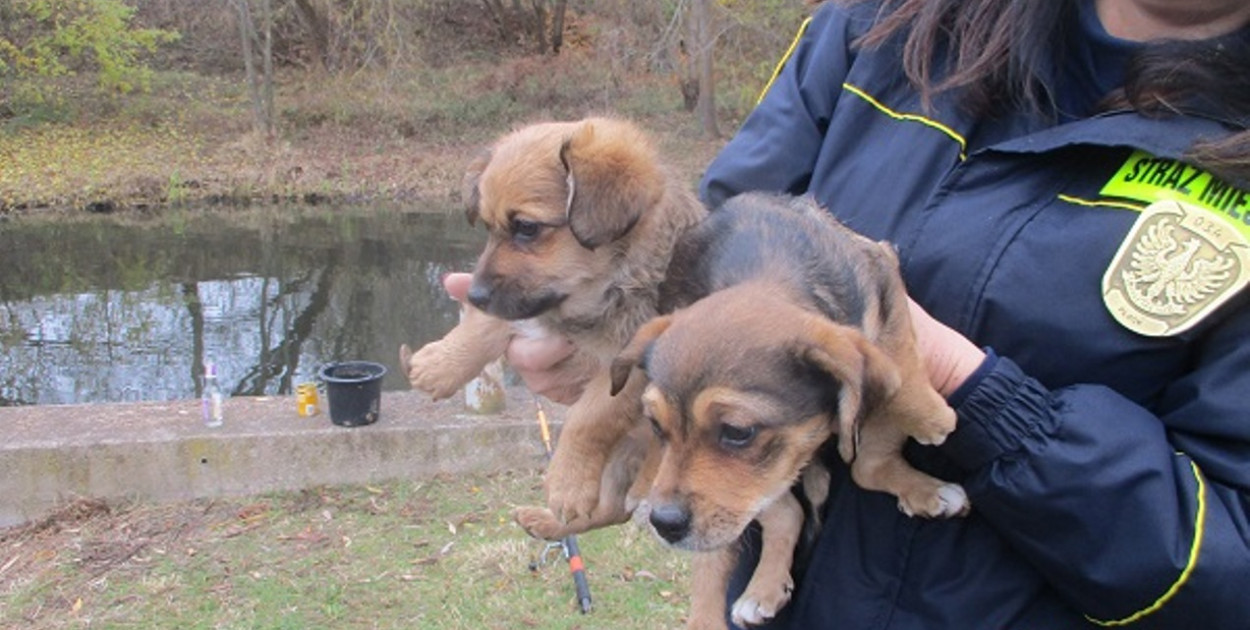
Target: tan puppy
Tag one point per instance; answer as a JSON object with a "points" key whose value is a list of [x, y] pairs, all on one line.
{"points": [[583, 220], [804, 334]]}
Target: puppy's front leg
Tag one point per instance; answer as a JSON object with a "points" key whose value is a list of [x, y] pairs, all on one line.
{"points": [[593, 428], [879, 465], [710, 573], [442, 367], [771, 584]]}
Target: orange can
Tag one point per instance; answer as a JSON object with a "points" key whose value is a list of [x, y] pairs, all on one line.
{"points": [[306, 399]]}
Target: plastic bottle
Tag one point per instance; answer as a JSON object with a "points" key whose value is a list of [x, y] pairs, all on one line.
{"points": [[212, 408]]}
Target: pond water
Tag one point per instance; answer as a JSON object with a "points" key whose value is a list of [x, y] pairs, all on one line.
{"points": [[127, 308]]}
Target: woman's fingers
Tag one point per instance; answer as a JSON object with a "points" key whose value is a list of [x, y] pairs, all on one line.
{"points": [[457, 285]]}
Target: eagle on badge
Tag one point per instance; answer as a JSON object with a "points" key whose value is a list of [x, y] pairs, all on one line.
{"points": [[1167, 275]]}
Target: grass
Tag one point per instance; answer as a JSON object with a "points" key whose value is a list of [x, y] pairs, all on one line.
{"points": [[443, 553]]}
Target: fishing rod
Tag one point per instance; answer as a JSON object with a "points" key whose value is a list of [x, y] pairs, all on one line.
{"points": [[567, 545]]}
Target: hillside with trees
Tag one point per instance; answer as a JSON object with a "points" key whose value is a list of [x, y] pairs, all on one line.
{"points": [[120, 104]]}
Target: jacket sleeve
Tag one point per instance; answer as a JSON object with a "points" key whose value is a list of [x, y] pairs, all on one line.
{"points": [[777, 144], [1138, 519]]}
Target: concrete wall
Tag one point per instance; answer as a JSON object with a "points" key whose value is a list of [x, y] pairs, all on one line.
{"points": [[162, 451]]}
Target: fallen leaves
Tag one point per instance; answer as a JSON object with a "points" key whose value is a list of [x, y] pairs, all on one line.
{"points": [[70, 165]]}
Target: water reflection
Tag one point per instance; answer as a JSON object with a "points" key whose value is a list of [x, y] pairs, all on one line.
{"points": [[109, 309]]}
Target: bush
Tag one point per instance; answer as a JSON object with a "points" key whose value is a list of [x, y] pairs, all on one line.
{"points": [[49, 38]]}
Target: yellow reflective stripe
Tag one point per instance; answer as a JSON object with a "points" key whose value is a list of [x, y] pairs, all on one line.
{"points": [[1199, 528], [963, 144], [1101, 203], [784, 58]]}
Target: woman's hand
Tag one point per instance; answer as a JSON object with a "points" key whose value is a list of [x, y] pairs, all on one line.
{"points": [[949, 356], [549, 364]]}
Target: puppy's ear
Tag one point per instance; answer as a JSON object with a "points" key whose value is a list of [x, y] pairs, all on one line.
{"points": [[468, 186], [612, 176], [867, 375], [633, 353]]}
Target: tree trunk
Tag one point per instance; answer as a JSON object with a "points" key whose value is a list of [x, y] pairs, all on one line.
{"points": [[247, 31], [318, 31], [540, 24], [259, 88], [267, 65], [702, 46], [557, 26], [499, 15]]}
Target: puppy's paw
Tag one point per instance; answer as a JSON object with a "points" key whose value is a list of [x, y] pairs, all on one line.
{"points": [[437, 370], [573, 488], [934, 429], [954, 500], [539, 522], [761, 602], [945, 500]]}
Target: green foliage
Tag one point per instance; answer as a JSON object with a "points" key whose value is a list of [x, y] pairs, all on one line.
{"points": [[175, 189], [50, 38]]}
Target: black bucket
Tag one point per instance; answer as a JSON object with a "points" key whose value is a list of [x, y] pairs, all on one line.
{"points": [[353, 392]]}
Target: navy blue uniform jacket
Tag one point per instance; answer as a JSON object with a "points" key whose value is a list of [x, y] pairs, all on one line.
{"points": [[1109, 472]]}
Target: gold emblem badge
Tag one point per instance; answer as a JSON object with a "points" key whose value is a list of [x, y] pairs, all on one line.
{"points": [[1178, 263]]}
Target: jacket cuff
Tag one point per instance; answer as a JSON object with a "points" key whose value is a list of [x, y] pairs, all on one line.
{"points": [[970, 384], [1004, 413]]}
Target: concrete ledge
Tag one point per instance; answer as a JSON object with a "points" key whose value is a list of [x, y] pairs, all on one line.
{"points": [[162, 452]]}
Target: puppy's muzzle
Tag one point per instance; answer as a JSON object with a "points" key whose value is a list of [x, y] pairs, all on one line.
{"points": [[479, 296], [507, 301], [671, 521]]}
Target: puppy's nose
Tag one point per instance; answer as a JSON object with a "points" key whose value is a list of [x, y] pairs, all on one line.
{"points": [[479, 295], [671, 521]]}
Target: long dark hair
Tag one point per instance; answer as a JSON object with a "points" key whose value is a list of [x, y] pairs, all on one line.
{"points": [[1209, 77], [993, 52]]}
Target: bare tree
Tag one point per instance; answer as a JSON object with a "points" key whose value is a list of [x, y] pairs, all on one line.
{"points": [[515, 22], [540, 24], [260, 87], [557, 25], [266, 57], [499, 15], [702, 47], [318, 28]]}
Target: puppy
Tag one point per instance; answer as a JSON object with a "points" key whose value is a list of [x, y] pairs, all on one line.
{"points": [[582, 220], [792, 329]]}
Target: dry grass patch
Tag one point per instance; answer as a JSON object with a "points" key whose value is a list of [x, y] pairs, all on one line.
{"points": [[437, 554]]}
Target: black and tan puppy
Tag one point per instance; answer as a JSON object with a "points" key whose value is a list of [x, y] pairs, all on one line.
{"points": [[798, 330], [583, 219]]}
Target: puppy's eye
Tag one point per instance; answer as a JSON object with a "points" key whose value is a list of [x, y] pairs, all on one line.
{"points": [[732, 436], [655, 427], [524, 229]]}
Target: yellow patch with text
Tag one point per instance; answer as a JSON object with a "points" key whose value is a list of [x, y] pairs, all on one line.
{"points": [[1148, 179]]}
